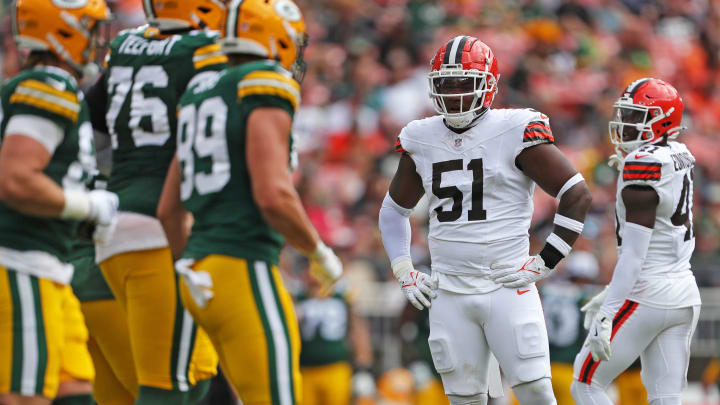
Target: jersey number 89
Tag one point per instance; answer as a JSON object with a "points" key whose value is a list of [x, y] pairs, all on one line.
{"points": [[201, 134]]}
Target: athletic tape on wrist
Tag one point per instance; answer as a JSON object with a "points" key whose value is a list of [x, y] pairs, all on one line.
{"points": [[77, 205], [559, 244], [577, 178], [569, 223], [401, 267]]}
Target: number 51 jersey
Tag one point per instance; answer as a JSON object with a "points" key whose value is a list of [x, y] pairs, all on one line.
{"points": [[480, 202], [665, 280]]}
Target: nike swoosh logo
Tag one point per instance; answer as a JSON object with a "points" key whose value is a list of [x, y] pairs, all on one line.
{"points": [[639, 156], [521, 292]]}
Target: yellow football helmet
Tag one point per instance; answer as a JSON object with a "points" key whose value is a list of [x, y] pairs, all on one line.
{"points": [[167, 15], [272, 29], [67, 28]]}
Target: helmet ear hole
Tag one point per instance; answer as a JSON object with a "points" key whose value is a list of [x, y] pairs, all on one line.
{"points": [[204, 10], [283, 44], [64, 33]]}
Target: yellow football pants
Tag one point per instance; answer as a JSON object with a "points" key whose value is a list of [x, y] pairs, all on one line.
{"points": [[169, 351], [109, 346], [75, 361], [432, 393], [31, 334], [562, 377], [252, 324], [327, 385], [631, 390]]}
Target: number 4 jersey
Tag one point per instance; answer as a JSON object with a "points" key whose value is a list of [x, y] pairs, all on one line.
{"points": [[665, 280], [215, 182], [480, 202]]}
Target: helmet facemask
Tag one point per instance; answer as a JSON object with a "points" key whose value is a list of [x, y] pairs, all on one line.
{"points": [[460, 95], [632, 124]]}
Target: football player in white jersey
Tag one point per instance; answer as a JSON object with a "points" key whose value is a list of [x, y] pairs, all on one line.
{"points": [[651, 306], [478, 167]]}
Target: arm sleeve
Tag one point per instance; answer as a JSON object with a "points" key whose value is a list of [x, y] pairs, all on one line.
{"points": [[41, 129], [636, 240], [394, 224]]}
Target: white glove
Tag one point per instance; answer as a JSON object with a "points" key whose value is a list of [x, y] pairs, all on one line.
{"points": [[325, 265], [103, 212], [533, 270], [363, 384], [416, 285], [592, 307], [199, 282], [599, 337]]}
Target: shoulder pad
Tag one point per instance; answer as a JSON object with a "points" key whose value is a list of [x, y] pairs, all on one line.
{"points": [[207, 55], [537, 127], [642, 166], [270, 82], [42, 91]]}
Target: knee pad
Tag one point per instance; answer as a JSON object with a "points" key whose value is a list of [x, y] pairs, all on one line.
{"points": [[478, 399], [538, 392], [588, 394], [669, 400]]}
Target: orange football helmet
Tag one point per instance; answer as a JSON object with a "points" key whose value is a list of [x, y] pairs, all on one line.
{"points": [[67, 28], [169, 15], [272, 29], [649, 111]]}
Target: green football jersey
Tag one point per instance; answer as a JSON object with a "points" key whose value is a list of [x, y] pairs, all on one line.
{"points": [[211, 151], [561, 306], [87, 283], [52, 94], [323, 329], [146, 74]]}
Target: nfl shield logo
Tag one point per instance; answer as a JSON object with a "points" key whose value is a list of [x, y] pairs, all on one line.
{"points": [[458, 142]]}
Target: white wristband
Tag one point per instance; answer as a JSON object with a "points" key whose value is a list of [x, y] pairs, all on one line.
{"points": [[559, 244], [402, 266], [577, 178], [77, 205], [569, 223]]}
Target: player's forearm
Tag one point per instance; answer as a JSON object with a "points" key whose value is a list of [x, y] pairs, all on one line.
{"points": [[175, 232], [281, 208], [570, 216], [361, 342], [32, 193], [636, 241], [394, 224]]}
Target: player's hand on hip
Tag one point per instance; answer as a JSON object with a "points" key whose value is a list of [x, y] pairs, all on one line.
{"points": [[598, 340], [532, 270], [325, 265], [417, 286], [592, 307], [198, 282], [103, 212]]}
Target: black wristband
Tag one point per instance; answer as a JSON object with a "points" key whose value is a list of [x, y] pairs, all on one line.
{"points": [[550, 255]]}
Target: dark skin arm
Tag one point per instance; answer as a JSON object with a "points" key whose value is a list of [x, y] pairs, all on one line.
{"points": [[550, 169], [640, 205], [406, 188]]}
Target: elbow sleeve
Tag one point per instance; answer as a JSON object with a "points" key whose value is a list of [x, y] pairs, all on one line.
{"points": [[394, 224]]}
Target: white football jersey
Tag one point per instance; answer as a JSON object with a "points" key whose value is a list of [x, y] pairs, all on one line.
{"points": [[480, 203], [665, 280]]}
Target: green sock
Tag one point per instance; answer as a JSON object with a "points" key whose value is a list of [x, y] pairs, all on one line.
{"points": [[198, 392], [158, 396], [79, 399]]}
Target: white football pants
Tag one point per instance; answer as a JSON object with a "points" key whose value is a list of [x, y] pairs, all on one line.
{"points": [[661, 337], [465, 328]]}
